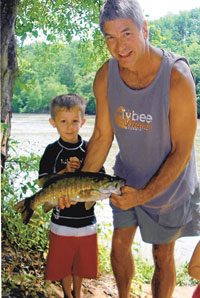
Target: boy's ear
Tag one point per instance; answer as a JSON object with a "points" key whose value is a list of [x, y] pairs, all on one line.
{"points": [[52, 122], [83, 121]]}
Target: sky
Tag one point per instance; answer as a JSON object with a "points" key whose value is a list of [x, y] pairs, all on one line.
{"points": [[158, 8]]}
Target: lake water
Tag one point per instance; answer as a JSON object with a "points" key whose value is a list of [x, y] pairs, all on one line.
{"points": [[34, 133]]}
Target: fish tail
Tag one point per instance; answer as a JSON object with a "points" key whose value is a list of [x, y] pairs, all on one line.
{"points": [[24, 208]]}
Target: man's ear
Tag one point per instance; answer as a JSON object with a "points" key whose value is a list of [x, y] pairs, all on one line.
{"points": [[145, 30], [52, 122]]}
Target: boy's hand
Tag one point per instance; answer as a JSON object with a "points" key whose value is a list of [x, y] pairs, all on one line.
{"points": [[73, 164], [65, 203]]}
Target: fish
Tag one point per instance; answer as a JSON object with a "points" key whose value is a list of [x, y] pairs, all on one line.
{"points": [[79, 186]]}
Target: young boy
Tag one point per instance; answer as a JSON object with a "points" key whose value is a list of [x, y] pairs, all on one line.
{"points": [[73, 252]]}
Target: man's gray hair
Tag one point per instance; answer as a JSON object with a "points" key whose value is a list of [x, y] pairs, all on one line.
{"points": [[121, 9]]}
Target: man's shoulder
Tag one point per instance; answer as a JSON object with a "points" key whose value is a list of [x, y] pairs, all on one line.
{"points": [[181, 73], [102, 71], [100, 82]]}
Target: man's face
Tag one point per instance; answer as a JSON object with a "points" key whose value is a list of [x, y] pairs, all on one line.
{"points": [[125, 41]]}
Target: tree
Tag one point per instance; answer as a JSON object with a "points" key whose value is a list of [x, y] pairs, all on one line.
{"points": [[9, 68], [62, 68]]}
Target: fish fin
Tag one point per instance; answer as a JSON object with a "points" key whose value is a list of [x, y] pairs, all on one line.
{"points": [[19, 207], [47, 207], [41, 182], [24, 208], [89, 205]]}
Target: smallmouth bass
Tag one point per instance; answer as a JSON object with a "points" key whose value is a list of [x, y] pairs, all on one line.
{"points": [[85, 187]]}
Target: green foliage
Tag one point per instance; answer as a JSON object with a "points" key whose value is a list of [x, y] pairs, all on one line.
{"points": [[104, 240], [180, 34], [183, 278], [18, 182], [48, 69], [59, 19]]}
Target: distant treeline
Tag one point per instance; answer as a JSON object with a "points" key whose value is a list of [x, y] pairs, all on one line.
{"points": [[50, 69]]}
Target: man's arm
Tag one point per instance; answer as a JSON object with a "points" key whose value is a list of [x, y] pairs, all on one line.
{"points": [[102, 137], [182, 131]]}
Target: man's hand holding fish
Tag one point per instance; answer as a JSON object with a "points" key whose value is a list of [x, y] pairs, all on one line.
{"points": [[129, 198]]}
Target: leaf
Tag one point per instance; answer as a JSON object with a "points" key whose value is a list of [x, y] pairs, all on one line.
{"points": [[35, 33]]}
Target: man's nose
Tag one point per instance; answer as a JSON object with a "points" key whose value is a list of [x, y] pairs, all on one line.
{"points": [[120, 45]]}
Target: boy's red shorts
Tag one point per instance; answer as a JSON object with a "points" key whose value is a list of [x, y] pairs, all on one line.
{"points": [[72, 256]]}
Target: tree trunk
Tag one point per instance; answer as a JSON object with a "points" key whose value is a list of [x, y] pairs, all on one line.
{"points": [[9, 69]]}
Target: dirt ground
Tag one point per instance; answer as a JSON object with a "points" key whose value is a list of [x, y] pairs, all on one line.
{"points": [[105, 287], [179, 292]]}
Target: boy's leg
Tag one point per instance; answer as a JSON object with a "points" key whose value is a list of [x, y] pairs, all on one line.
{"points": [[77, 283], [66, 284]]}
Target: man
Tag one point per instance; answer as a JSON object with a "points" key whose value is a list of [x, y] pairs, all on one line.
{"points": [[146, 97]]}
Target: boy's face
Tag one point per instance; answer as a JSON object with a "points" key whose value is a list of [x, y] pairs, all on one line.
{"points": [[68, 123]]}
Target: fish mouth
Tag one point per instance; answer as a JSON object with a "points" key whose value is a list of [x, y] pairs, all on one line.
{"points": [[105, 192], [115, 189]]}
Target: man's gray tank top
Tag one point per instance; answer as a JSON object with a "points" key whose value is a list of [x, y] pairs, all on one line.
{"points": [[140, 120]]}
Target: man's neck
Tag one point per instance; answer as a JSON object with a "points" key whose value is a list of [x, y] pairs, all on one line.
{"points": [[144, 73]]}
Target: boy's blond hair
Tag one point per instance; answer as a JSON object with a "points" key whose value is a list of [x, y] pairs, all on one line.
{"points": [[67, 101]]}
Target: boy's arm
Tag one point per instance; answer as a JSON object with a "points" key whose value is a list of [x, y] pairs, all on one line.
{"points": [[101, 140]]}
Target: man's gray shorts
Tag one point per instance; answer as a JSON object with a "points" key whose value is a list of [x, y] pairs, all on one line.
{"points": [[165, 228]]}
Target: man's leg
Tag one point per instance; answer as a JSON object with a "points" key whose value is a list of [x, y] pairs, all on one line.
{"points": [[164, 279], [122, 259]]}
